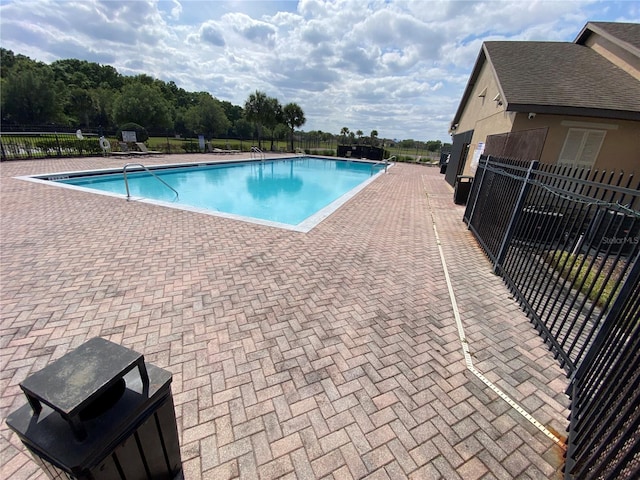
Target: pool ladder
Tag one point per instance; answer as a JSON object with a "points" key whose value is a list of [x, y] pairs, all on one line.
{"points": [[258, 152], [126, 183], [385, 162]]}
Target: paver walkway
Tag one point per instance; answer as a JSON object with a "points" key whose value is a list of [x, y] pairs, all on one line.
{"points": [[330, 354]]}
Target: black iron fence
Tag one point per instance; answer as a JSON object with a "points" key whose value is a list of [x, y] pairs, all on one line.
{"points": [[604, 439], [28, 145], [14, 146], [567, 243], [17, 145]]}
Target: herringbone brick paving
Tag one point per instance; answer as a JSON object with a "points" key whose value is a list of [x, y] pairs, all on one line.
{"points": [[330, 354]]}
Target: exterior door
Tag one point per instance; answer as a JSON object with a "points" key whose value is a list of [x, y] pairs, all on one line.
{"points": [[459, 151]]}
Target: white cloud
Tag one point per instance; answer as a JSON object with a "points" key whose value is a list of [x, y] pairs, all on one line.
{"points": [[210, 32], [397, 66], [176, 10]]}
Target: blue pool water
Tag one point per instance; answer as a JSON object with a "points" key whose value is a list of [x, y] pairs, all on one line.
{"points": [[284, 191]]}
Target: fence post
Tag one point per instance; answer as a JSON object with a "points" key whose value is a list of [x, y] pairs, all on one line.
{"points": [[58, 144], [514, 216], [475, 200]]}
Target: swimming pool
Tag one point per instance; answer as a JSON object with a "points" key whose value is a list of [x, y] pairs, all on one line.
{"points": [[293, 193]]}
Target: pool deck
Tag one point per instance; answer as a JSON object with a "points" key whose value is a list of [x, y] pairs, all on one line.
{"points": [[328, 354]]}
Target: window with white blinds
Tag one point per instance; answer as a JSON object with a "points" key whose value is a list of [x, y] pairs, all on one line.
{"points": [[581, 147]]}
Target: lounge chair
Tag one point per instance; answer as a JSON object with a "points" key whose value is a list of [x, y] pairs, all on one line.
{"points": [[143, 149], [124, 147], [220, 151]]}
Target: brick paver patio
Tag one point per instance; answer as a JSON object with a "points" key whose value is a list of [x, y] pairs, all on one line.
{"points": [[330, 354]]}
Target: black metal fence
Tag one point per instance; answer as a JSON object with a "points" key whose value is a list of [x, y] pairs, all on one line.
{"points": [[604, 439], [18, 145], [14, 146], [44, 144], [567, 243]]}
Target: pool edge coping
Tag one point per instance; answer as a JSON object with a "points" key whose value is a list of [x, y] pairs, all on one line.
{"points": [[305, 226]]}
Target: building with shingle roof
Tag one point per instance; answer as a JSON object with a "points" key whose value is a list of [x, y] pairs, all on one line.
{"points": [[574, 103]]}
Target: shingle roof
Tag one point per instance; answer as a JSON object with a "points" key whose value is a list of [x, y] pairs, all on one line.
{"points": [[561, 77], [628, 33]]}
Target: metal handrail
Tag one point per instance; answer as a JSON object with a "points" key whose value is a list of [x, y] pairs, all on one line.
{"points": [[126, 183], [385, 162], [257, 151]]}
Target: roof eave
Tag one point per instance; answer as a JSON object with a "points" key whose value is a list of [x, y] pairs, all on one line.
{"points": [[574, 111], [475, 72], [590, 28]]}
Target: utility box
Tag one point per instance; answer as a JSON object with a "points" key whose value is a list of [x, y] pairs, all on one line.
{"points": [[99, 412]]}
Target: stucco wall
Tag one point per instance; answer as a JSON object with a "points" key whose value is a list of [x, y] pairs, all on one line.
{"points": [[620, 149], [483, 115], [616, 55]]}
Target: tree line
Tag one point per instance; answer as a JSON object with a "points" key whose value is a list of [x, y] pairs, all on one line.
{"points": [[80, 94]]}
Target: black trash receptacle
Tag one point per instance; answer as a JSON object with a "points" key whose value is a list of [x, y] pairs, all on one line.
{"points": [[462, 189], [91, 415], [444, 161]]}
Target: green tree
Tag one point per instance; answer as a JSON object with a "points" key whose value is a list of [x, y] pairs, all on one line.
{"points": [[434, 145], [281, 131], [293, 118], [273, 116], [374, 136], [256, 110], [29, 96], [359, 133], [243, 128], [233, 112], [344, 132], [104, 98], [82, 107], [7, 60], [207, 117], [143, 104]]}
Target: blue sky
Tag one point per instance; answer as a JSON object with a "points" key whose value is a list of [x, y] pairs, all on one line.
{"points": [[398, 67]]}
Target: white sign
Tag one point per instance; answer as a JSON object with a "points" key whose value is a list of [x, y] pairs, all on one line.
{"points": [[476, 157], [129, 136]]}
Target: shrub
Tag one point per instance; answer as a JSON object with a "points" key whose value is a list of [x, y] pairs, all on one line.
{"points": [[141, 132], [68, 146], [324, 153], [191, 147]]}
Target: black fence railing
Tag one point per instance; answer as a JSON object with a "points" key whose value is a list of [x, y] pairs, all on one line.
{"points": [[19, 144], [14, 146], [563, 239], [567, 243], [44, 144], [604, 438]]}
